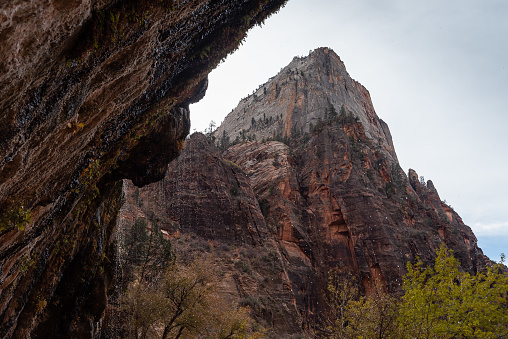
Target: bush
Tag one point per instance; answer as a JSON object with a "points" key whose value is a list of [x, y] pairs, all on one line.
{"points": [[183, 303], [444, 302], [440, 301], [14, 216]]}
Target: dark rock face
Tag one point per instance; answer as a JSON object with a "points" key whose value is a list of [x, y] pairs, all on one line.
{"points": [[91, 92], [207, 205], [332, 196], [207, 195]]}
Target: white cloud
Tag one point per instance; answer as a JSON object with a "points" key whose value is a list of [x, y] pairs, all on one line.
{"points": [[491, 229]]}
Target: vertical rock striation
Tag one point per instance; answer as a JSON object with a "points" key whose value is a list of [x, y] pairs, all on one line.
{"points": [[295, 100], [207, 205]]}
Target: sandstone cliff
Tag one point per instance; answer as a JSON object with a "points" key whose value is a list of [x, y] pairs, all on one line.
{"points": [[207, 205], [298, 97], [322, 191], [91, 92]]}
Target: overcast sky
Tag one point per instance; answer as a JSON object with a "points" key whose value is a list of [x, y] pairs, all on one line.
{"points": [[436, 71]]}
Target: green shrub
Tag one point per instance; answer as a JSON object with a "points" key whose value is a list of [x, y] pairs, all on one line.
{"points": [[17, 216]]}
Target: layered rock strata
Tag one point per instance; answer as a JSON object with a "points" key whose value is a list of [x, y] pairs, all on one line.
{"points": [[207, 206], [298, 97]]}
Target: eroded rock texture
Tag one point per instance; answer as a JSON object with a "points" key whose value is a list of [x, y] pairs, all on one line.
{"points": [[329, 194], [294, 101], [91, 92], [209, 208]]}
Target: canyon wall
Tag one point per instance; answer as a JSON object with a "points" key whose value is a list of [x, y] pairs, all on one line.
{"points": [[317, 188]]}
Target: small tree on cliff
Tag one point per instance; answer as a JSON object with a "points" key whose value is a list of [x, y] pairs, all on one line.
{"points": [[209, 132], [331, 113], [224, 141]]}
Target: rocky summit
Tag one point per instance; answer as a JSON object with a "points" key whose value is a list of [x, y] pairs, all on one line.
{"points": [[301, 178]]}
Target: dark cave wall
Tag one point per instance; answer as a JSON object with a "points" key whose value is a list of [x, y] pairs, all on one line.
{"points": [[91, 93]]}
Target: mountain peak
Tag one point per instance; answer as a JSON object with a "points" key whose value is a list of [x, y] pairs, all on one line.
{"points": [[299, 97]]}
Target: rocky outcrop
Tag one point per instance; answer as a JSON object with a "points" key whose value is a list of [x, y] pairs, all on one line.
{"points": [[341, 176], [91, 92], [200, 177], [328, 186]]}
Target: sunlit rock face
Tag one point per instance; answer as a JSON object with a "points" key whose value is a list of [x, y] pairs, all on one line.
{"points": [[91, 92], [330, 195]]}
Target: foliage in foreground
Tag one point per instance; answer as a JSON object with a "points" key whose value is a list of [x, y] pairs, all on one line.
{"points": [[438, 302], [443, 302], [183, 304], [166, 299], [355, 316]]}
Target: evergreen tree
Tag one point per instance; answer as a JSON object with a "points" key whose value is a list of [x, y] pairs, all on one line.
{"points": [[147, 252]]}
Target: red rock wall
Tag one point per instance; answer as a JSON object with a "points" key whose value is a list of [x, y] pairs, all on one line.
{"points": [[331, 198]]}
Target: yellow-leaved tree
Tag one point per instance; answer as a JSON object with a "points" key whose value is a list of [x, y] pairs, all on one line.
{"points": [[354, 316], [440, 301], [184, 303], [445, 302]]}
